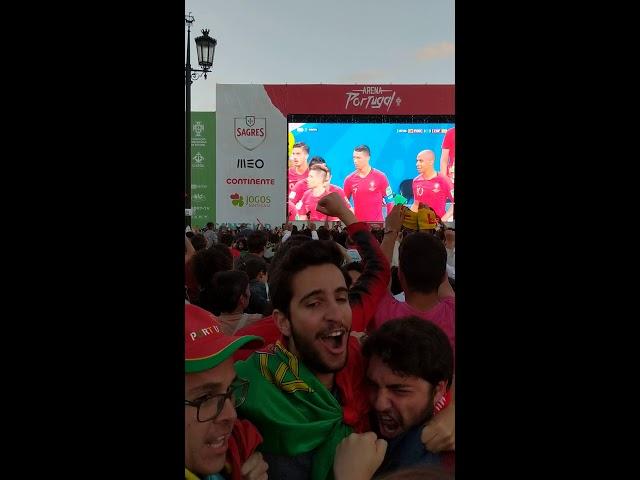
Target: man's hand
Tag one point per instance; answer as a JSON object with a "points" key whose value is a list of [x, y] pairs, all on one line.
{"points": [[333, 205], [395, 218], [439, 434], [255, 468], [358, 456]]}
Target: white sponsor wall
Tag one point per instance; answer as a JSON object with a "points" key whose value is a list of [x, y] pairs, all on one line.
{"points": [[251, 156]]}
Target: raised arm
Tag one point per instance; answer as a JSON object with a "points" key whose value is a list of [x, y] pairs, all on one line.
{"points": [[368, 290], [392, 225]]}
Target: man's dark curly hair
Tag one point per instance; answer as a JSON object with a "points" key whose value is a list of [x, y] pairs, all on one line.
{"points": [[413, 346]]}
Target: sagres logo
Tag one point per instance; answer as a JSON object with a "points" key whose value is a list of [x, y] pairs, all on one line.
{"points": [[236, 200], [198, 128], [250, 131]]}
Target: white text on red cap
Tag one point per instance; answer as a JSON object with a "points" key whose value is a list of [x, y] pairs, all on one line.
{"points": [[204, 332]]}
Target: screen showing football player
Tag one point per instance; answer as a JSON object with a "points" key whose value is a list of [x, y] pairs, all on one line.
{"points": [[299, 166], [368, 187], [319, 175], [431, 188], [301, 186]]}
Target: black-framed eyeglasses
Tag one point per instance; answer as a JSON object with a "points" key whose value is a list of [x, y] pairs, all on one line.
{"points": [[209, 406]]}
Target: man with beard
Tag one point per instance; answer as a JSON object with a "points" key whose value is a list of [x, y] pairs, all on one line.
{"points": [[432, 188], [364, 294], [307, 390], [409, 372], [368, 186]]}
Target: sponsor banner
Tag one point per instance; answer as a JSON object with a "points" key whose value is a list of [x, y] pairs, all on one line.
{"points": [[251, 153], [203, 172], [363, 99]]}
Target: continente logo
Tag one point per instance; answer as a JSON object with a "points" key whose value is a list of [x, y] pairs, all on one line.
{"points": [[236, 200]]}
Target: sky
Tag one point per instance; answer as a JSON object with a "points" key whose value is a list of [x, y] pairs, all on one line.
{"points": [[323, 41]]}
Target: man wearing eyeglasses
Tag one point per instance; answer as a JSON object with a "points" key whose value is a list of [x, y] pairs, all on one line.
{"points": [[217, 445]]}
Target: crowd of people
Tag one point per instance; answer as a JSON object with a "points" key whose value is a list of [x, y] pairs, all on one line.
{"points": [[322, 352]]}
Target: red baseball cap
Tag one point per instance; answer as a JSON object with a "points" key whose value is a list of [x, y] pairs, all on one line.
{"points": [[206, 345]]}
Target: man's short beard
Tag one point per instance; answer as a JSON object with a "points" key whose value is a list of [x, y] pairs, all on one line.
{"points": [[428, 415], [306, 354]]}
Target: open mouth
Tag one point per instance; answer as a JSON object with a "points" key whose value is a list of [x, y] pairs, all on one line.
{"points": [[388, 426], [218, 444], [335, 340]]}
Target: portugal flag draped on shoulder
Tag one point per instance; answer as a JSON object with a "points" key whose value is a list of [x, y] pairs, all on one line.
{"points": [[294, 412]]}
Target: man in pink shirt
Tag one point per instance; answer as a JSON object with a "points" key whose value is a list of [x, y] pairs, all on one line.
{"points": [[368, 186], [431, 188], [316, 181], [422, 272], [300, 168], [448, 157]]}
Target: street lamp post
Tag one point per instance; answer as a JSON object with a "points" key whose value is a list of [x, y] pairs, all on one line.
{"points": [[205, 46]]}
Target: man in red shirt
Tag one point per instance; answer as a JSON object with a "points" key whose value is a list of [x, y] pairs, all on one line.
{"points": [[368, 186], [318, 188], [301, 186], [300, 167], [448, 157], [431, 188]]}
